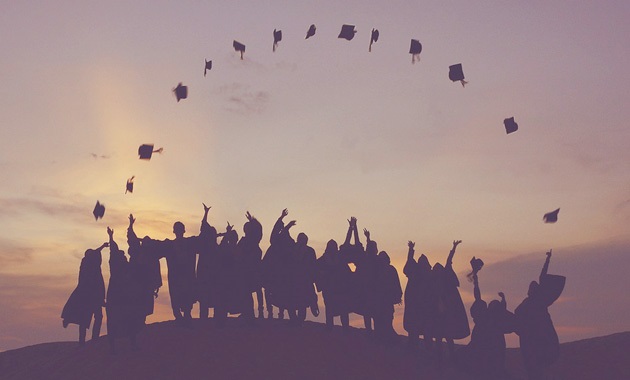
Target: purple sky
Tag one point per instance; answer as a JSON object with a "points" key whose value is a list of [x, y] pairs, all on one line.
{"points": [[324, 128]]}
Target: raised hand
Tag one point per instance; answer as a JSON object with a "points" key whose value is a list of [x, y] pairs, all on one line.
{"points": [[131, 219], [249, 216], [366, 233], [290, 224], [285, 212], [411, 245], [549, 253], [501, 294], [229, 227], [206, 208], [456, 243], [110, 232], [352, 222]]}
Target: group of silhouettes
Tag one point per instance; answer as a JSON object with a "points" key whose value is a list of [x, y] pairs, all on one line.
{"points": [[224, 276]]}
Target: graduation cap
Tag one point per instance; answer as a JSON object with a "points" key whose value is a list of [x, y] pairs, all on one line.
{"points": [[146, 150], [551, 217], [130, 185], [239, 47], [311, 31], [373, 38], [510, 125], [347, 32], [208, 67], [415, 49], [277, 37], [181, 91], [456, 73], [99, 210]]}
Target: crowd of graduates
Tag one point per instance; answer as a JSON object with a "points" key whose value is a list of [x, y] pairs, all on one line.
{"points": [[222, 272]]}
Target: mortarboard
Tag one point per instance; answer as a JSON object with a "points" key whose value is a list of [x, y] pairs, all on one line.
{"points": [[510, 125], [373, 38], [146, 150], [99, 210], [181, 91], [208, 67], [551, 217], [311, 31], [239, 47], [277, 37], [347, 32], [130, 185], [456, 73], [415, 49]]}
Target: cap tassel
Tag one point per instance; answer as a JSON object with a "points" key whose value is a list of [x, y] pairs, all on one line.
{"points": [[415, 57], [158, 150], [463, 82]]}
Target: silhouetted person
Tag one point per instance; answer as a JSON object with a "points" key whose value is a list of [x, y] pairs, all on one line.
{"points": [[365, 277], [538, 338], [125, 314], [302, 271], [230, 284], [250, 257], [88, 298], [484, 356], [332, 279], [418, 298], [181, 258], [449, 319], [208, 268], [387, 294], [275, 277], [144, 262]]}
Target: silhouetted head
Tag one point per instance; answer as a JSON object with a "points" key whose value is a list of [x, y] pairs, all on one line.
{"points": [[371, 248], [438, 268], [331, 248], [495, 308], [383, 258], [179, 229], [247, 228], [423, 263], [302, 239], [478, 309], [533, 288], [232, 237]]}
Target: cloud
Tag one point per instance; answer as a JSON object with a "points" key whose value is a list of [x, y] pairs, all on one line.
{"points": [[12, 253], [243, 100]]}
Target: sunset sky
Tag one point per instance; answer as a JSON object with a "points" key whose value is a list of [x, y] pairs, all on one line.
{"points": [[325, 129]]}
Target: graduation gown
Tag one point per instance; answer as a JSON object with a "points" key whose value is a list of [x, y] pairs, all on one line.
{"points": [[89, 295]]}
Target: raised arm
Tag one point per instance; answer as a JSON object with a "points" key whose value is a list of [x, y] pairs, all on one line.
{"points": [[132, 238], [355, 231], [113, 247], [503, 301], [278, 226], [408, 268], [351, 223], [449, 261], [545, 266]]}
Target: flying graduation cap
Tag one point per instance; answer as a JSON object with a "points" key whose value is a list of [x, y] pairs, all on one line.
{"points": [[145, 151], [551, 217], [456, 73], [99, 210], [415, 49], [130, 185], [277, 37], [347, 32], [181, 92], [510, 125], [239, 47], [373, 38], [311, 31], [208, 67]]}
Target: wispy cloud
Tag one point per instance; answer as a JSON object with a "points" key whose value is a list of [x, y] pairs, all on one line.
{"points": [[243, 100]]}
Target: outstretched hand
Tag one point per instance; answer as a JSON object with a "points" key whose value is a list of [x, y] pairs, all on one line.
{"points": [[110, 232], [549, 253], [501, 294], [352, 222], [206, 208], [456, 243], [366, 233], [290, 224], [229, 227], [411, 245], [131, 219], [285, 212], [249, 216]]}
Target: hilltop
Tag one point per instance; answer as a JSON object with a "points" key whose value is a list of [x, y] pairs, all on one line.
{"points": [[277, 350]]}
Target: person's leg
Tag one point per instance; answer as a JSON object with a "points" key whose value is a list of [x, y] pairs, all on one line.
{"points": [[203, 310], [82, 330], [367, 321], [98, 320], [259, 299]]}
